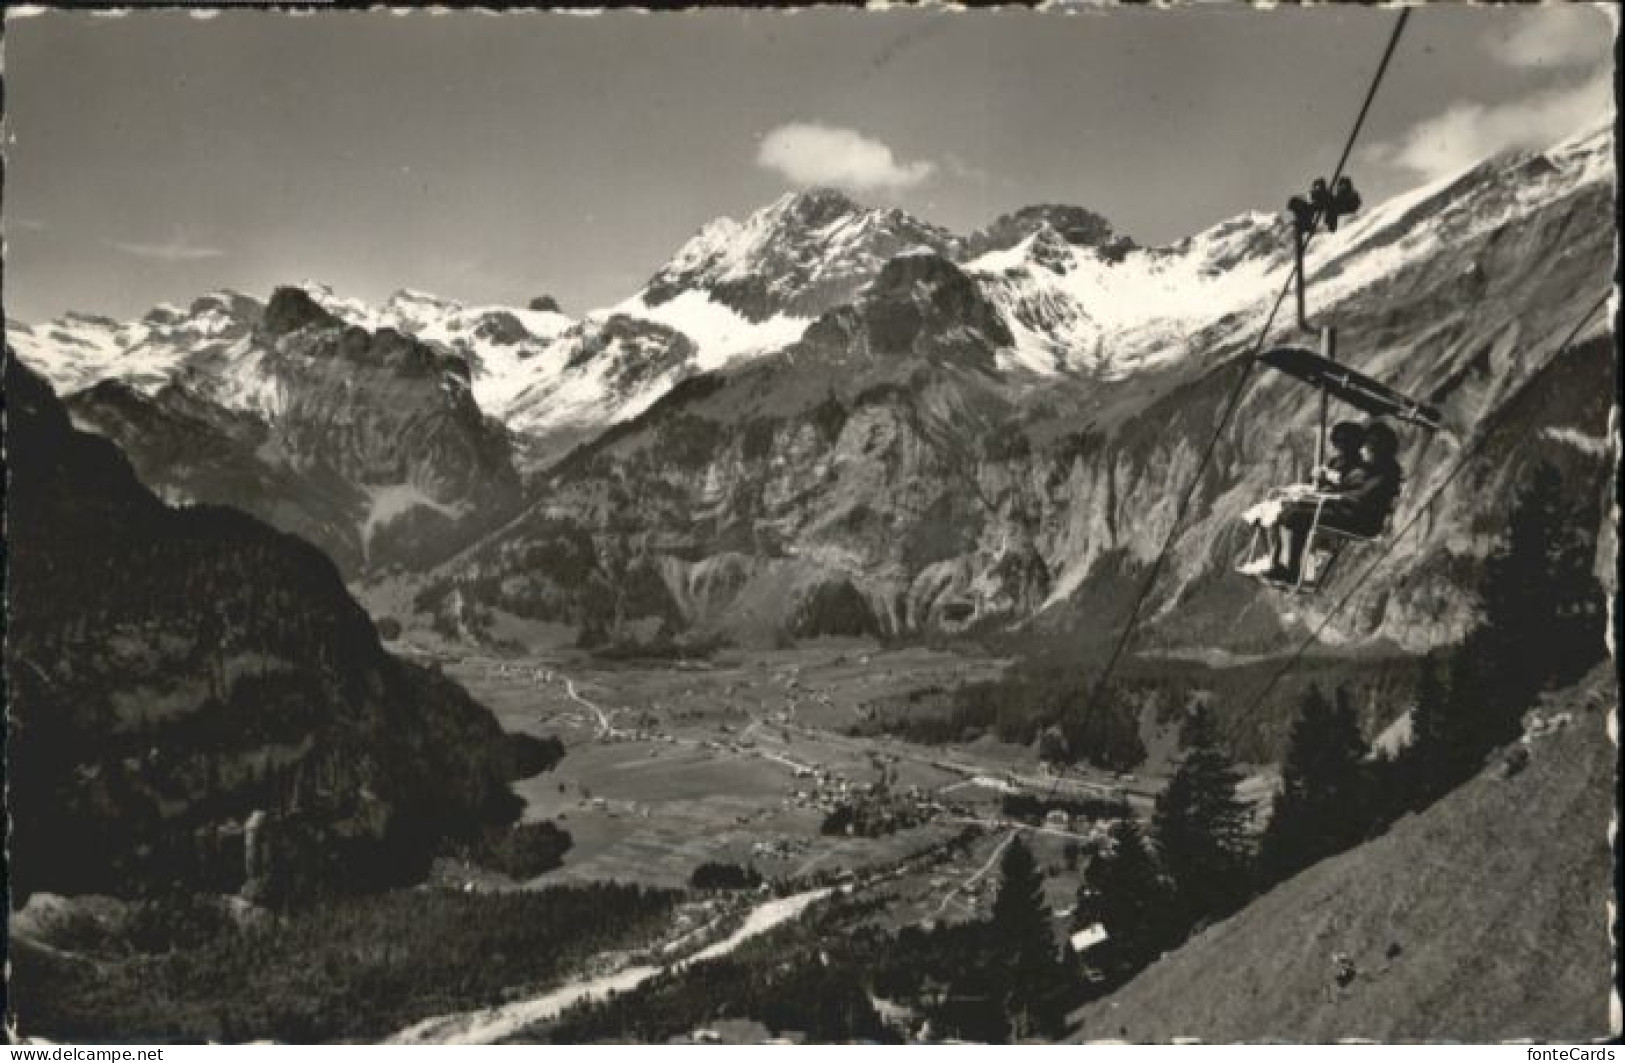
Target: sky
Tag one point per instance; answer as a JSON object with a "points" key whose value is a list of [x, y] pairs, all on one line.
{"points": [[494, 158]]}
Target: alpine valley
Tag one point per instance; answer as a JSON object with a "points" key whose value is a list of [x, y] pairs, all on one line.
{"points": [[731, 662]]}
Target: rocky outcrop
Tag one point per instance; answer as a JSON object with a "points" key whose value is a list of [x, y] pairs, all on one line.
{"points": [[920, 306], [293, 309], [1073, 225]]}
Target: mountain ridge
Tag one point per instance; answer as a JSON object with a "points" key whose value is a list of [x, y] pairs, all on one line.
{"points": [[1051, 452], [956, 494]]}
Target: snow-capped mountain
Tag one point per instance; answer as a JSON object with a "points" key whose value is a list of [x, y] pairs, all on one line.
{"points": [[1004, 440], [1075, 298], [1054, 366], [77, 350], [1109, 308], [799, 256], [365, 441]]}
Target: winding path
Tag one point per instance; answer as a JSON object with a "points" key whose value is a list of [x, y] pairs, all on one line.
{"points": [[605, 728], [489, 1025], [979, 873]]}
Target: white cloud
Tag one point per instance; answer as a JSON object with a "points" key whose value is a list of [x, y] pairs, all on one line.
{"points": [[1555, 35], [174, 251], [1468, 133], [812, 154]]}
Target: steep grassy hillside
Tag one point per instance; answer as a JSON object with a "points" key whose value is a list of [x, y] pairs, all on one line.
{"points": [[1482, 918]]}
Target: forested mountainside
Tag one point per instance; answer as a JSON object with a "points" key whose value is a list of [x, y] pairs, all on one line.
{"points": [[197, 703]]}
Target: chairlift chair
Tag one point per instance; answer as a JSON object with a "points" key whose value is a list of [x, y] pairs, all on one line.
{"points": [[1324, 543]]}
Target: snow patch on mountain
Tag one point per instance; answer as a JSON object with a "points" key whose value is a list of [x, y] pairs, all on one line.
{"points": [[801, 255], [1595, 446], [720, 333], [1074, 309], [605, 369], [77, 350], [241, 381], [1415, 225], [386, 502], [1071, 308]]}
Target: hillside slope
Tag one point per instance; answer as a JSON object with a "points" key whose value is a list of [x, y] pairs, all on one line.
{"points": [[195, 701], [1483, 918]]}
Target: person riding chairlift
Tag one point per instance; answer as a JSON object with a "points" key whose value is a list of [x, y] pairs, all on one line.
{"points": [[1351, 495], [1347, 437], [1331, 204]]}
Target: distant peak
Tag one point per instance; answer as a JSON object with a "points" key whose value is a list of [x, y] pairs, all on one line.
{"points": [[85, 317], [225, 300], [816, 206], [292, 309], [315, 289], [1077, 226], [413, 296]]}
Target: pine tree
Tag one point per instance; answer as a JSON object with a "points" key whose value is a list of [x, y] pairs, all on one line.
{"points": [[1541, 625], [1126, 893], [1541, 628], [1201, 827], [1444, 748], [1322, 806], [1036, 981], [1019, 913]]}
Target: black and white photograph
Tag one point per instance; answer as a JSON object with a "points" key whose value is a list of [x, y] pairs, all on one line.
{"points": [[910, 524]]}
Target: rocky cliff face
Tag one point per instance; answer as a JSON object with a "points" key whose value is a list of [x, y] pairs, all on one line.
{"points": [[904, 459], [173, 672], [369, 443]]}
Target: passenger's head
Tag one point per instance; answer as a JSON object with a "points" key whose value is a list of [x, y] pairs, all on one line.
{"points": [[1347, 437], [1381, 445]]}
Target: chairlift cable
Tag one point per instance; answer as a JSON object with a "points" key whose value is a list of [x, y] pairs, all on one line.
{"points": [[1234, 399]]}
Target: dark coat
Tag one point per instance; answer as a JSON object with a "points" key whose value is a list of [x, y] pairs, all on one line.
{"points": [[1359, 504]]}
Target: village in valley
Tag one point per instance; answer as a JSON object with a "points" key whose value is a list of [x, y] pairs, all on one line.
{"points": [[760, 759]]}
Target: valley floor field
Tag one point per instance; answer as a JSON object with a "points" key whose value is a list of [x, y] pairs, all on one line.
{"points": [[741, 759]]}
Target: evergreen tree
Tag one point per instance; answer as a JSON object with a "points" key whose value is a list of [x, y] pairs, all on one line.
{"points": [[1321, 807], [1037, 981], [1126, 893], [1020, 916], [1542, 623], [1444, 748], [1201, 827], [1542, 627]]}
